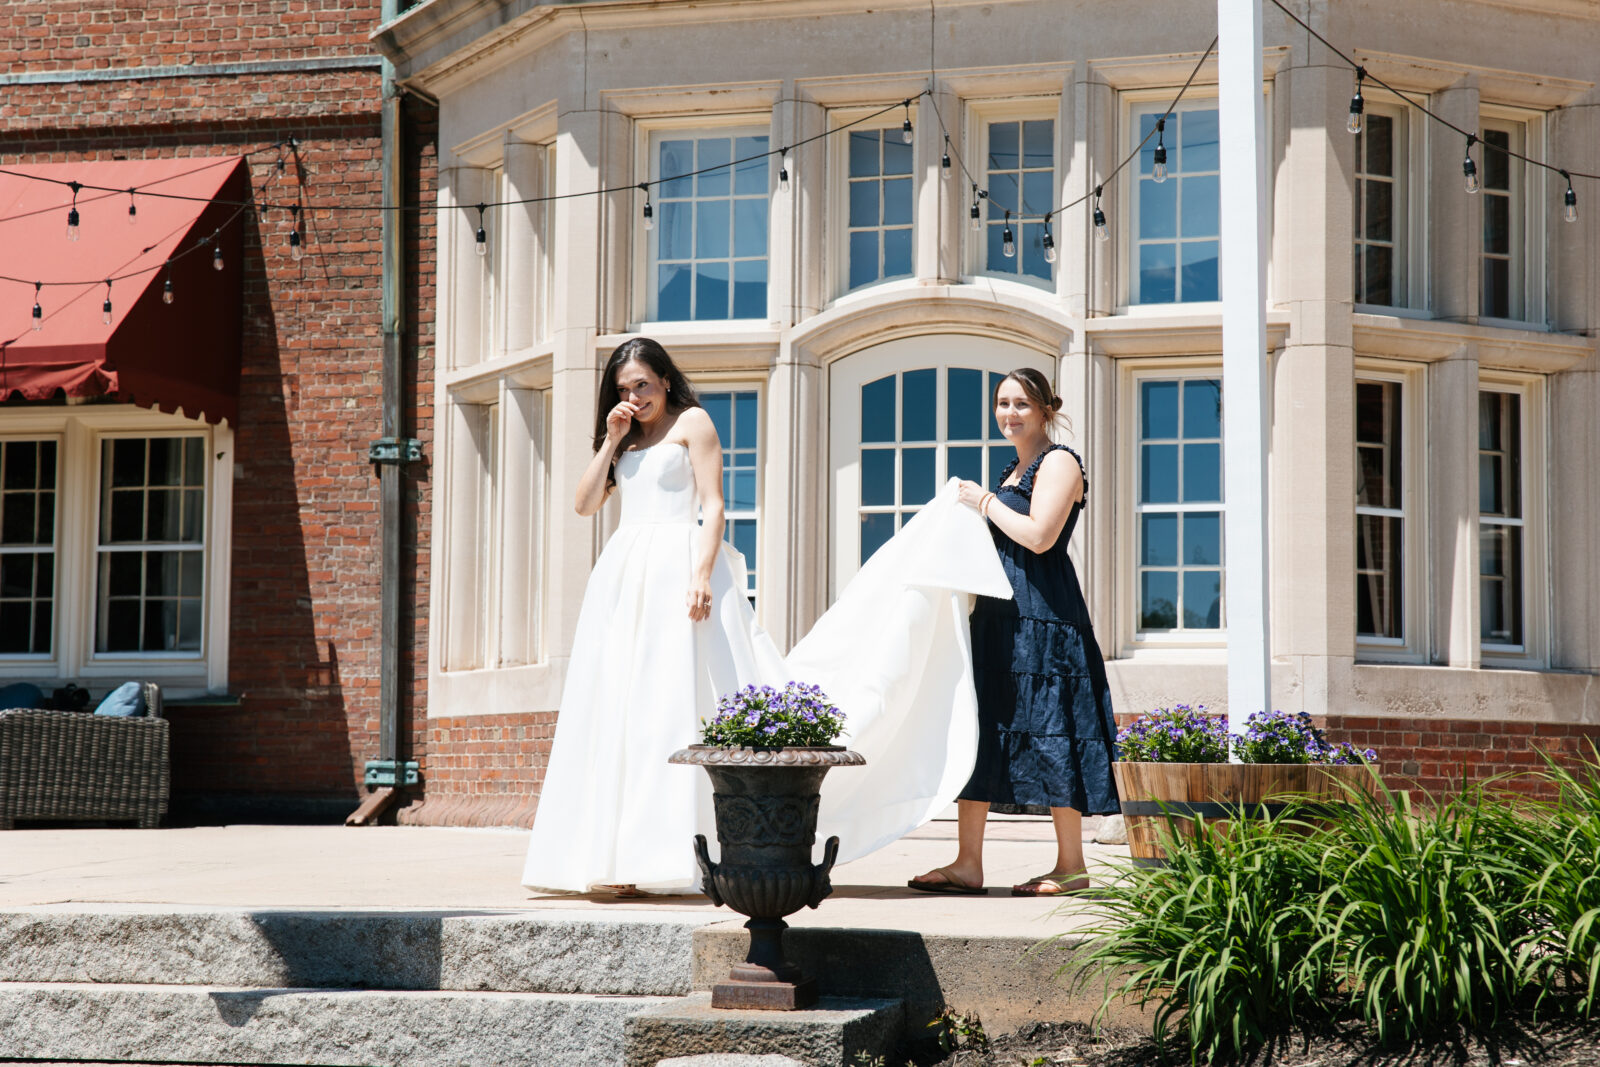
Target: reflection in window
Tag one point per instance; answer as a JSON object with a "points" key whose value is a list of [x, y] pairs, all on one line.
{"points": [[1380, 512], [1022, 177], [709, 246], [911, 443], [1500, 520], [151, 545], [1502, 221], [1180, 504], [27, 546], [879, 217], [735, 415], [1380, 209], [1175, 246]]}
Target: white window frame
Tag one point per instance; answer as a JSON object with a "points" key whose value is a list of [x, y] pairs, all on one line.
{"points": [[645, 242], [1400, 243], [706, 383], [1533, 653], [839, 198], [1527, 217], [1409, 264], [38, 549], [1411, 645], [1131, 640], [1135, 103], [980, 114], [79, 431]]}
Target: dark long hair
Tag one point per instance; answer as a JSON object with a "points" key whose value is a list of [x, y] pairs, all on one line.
{"points": [[680, 394], [1039, 392]]}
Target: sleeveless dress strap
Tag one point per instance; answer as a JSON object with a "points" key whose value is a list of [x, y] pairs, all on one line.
{"points": [[1025, 483]]}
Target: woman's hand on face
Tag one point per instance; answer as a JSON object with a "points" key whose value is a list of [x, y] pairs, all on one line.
{"points": [[619, 421], [971, 493], [698, 600]]}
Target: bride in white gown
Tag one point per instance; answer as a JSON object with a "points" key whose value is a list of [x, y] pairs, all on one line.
{"points": [[665, 629]]}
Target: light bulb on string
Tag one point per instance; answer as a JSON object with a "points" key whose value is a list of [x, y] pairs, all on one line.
{"points": [[105, 308], [1569, 201], [649, 209], [1101, 232], [216, 251], [1357, 105], [1159, 157], [944, 160], [133, 209], [1008, 240], [977, 208], [481, 238], [72, 213], [166, 286], [906, 133], [783, 171], [1049, 241], [38, 312], [295, 251], [1469, 169]]}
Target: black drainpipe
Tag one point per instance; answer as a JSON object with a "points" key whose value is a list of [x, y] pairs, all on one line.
{"points": [[389, 774]]}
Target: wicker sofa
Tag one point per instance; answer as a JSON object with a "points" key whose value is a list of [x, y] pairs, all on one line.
{"points": [[70, 765]]}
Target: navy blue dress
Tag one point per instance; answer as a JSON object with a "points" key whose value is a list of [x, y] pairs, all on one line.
{"points": [[1045, 729]]}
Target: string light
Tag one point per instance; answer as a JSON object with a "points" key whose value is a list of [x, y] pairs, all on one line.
{"points": [[295, 251], [649, 210], [1101, 232], [944, 160], [783, 171], [1358, 106], [38, 312], [977, 209], [1048, 240], [481, 237], [1469, 169], [1159, 158], [72, 213], [906, 133], [133, 209], [166, 287], [1008, 241], [105, 309], [216, 254], [1569, 200]]}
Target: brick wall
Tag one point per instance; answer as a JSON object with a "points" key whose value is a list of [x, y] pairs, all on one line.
{"points": [[484, 770], [305, 592]]}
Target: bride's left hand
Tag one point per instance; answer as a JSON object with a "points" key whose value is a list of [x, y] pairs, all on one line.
{"points": [[971, 493], [698, 600]]}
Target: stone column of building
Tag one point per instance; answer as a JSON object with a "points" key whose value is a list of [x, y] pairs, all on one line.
{"points": [[1313, 435]]}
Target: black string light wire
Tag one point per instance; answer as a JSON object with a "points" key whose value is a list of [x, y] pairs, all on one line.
{"points": [[1569, 210]]}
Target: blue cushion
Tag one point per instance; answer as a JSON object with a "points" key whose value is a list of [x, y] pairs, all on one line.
{"points": [[21, 695], [125, 700]]}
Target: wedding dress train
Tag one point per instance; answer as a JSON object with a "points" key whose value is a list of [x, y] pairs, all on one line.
{"points": [[892, 653]]}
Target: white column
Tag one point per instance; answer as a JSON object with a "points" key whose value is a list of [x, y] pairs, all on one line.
{"points": [[1244, 345]]}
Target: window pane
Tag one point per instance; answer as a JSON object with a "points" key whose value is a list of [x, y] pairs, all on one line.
{"points": [[1198, 146], [720, 407], [674, 235], [750, 177], [1158, 281], [864, 153], [16, 623], [1500, 584], [896, 153], [1158, 474], [1202, 473], [1496, 288], [896, 253], [1496, 164], [897, 202], [875, 530], [1038, 192], [1039, 143], [863, 258], [750, 289], [863, 204], [1201, 204], [18, 518], [1202, 600], [1378, 576], [1032, 251], [1200, 281], [1379, 144], [711, 290], [917, 484], [711, 230], [1004, 146], [1497, 225], [1158, 600], [672, 292], [878, 409], [715, 153], [750, 227], [1202, 538], [1158, 540], [877, 476], [744, 405], [677, 159], [918, 410], [965, 463], [1158, 209], [1158, 410], [1379, 210], [1002, 195], [1202, 408], [127, 462], [1378, 267]]}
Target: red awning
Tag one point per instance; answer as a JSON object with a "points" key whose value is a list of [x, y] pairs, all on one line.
{"points": [[182, 356]]}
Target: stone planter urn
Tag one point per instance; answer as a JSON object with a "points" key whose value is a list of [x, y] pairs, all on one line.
{"points": [[766, 802]]}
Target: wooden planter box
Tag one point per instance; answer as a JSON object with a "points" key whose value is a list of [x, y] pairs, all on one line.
{"points": [[1150, 792]]}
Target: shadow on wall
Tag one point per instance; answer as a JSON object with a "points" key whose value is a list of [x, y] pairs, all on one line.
{"points": [[283, 752]]}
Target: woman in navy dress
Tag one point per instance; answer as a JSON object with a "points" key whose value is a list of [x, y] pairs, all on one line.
{"points": [[1045, 728]]}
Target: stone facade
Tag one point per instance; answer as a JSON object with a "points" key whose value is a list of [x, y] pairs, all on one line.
{"points": [[284, 712], [1454, 316]]}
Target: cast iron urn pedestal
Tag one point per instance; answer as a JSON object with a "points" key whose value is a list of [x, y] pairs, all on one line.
{"points": [[766, 806]]}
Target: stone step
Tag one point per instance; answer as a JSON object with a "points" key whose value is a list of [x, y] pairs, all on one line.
{"points": [[132, 1023], [619, 953]]}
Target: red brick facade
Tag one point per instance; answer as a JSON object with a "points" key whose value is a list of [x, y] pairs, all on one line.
{"points": [[484, 770], [305, 593]]}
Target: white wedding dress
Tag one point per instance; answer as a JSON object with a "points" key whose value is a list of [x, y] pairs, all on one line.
{"points": [[892, 654]]}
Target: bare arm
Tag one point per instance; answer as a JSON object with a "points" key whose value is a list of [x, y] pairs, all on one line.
{"points": [[592, 487], [1056, 487], [705, 456]]}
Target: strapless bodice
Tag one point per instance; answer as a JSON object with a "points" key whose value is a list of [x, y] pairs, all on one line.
{"points": [[657, 485]]}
